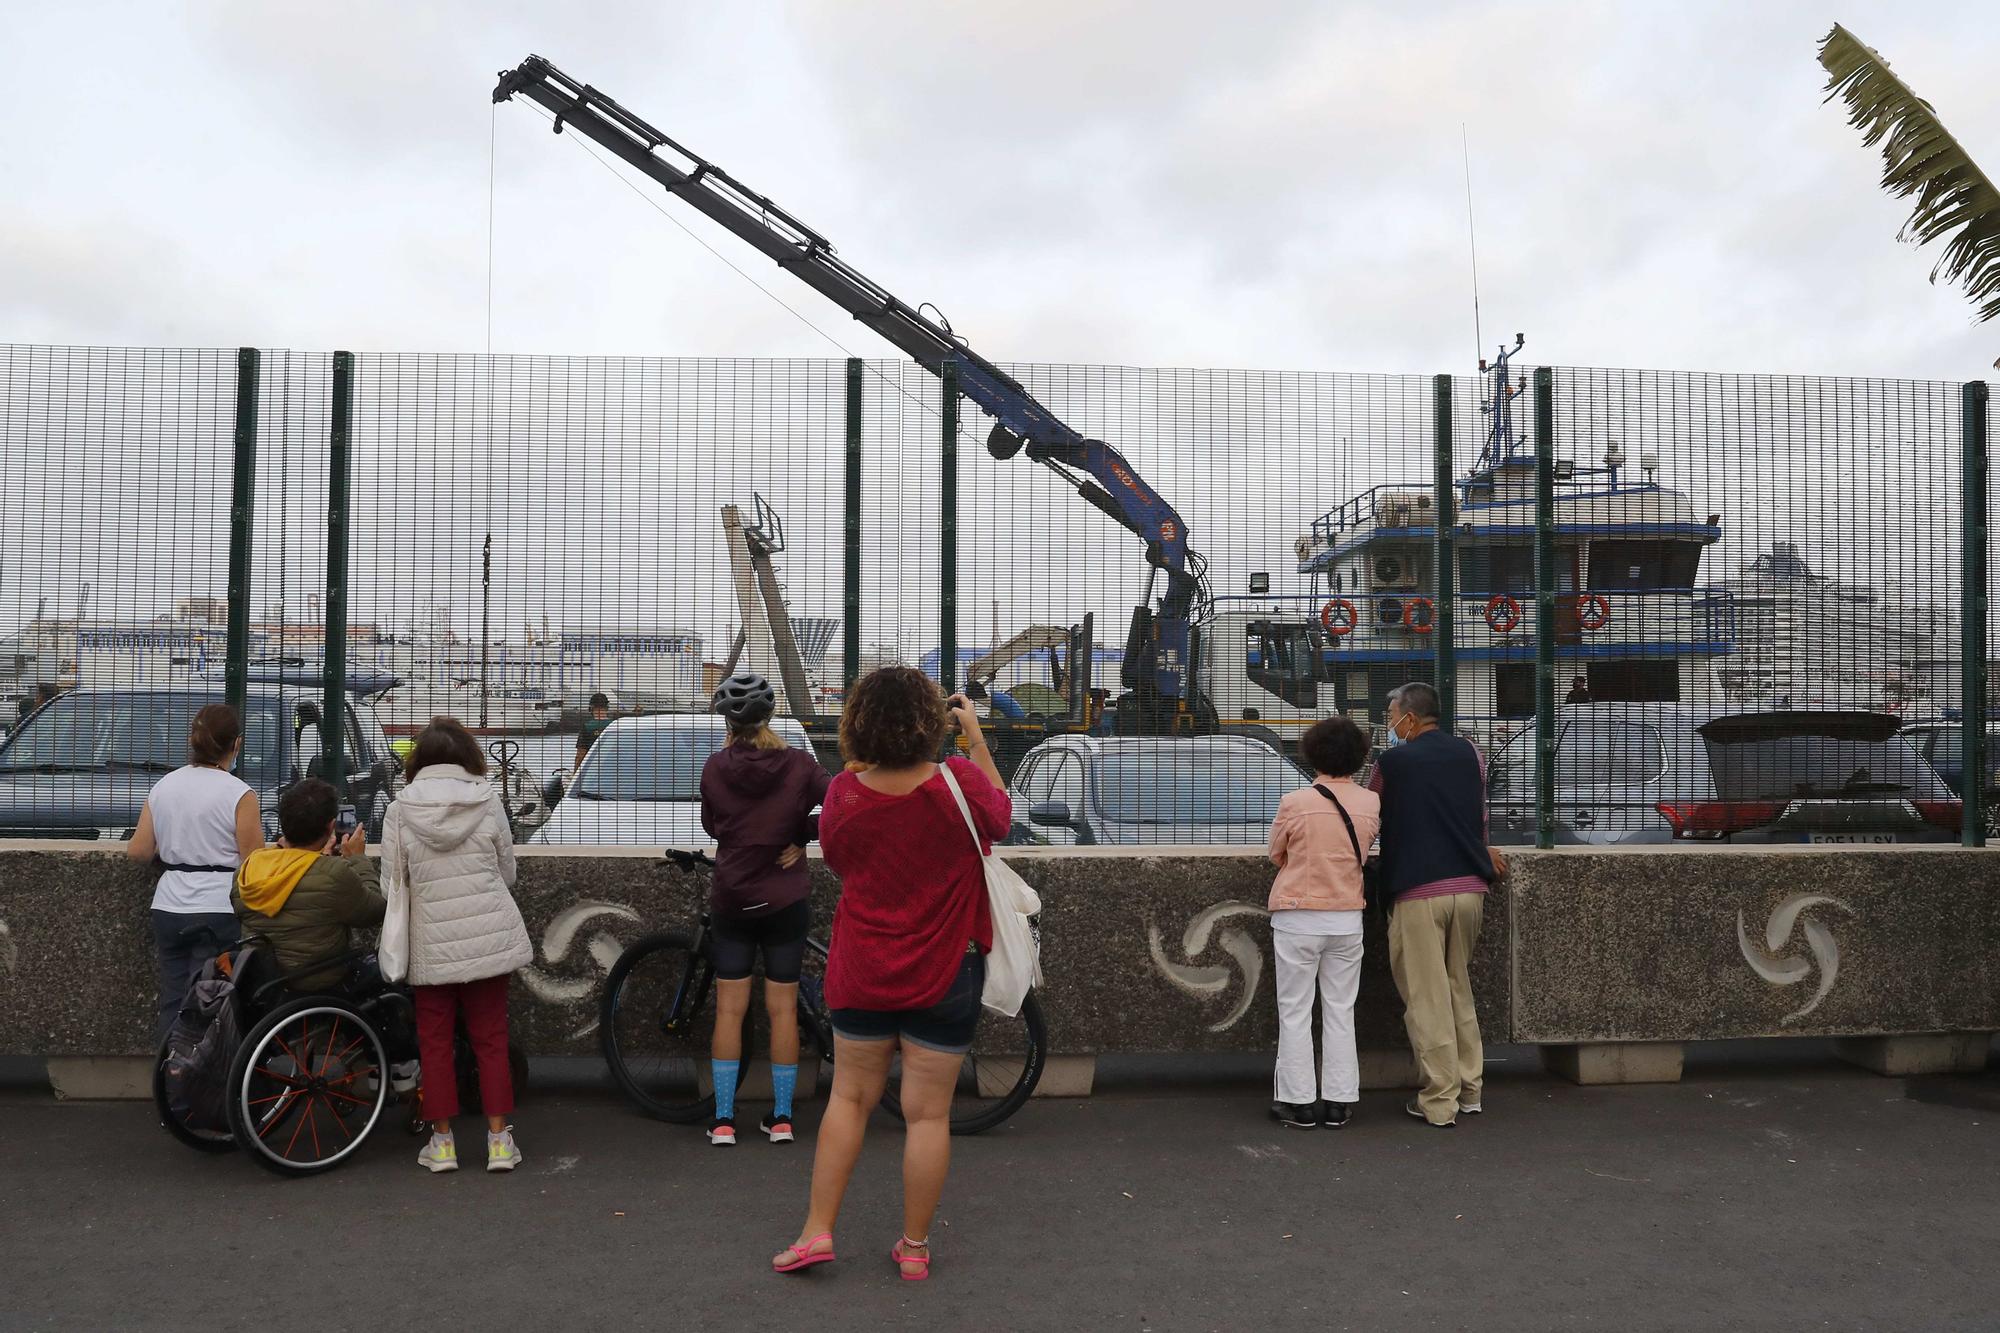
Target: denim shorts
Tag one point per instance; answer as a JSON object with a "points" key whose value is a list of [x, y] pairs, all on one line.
{"points": [[946, 1027]]}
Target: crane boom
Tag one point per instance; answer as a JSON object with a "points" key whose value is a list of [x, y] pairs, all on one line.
{"points": [[1157, 653]]}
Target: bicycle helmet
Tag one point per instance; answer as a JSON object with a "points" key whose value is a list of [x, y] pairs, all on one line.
{"points": [[745, 698]]}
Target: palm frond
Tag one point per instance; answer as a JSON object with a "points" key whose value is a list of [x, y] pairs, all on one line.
{"points": [[1920, 157]]}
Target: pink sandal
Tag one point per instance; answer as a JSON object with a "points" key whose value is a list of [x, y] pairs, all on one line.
{"points": [[901, 1259], [802, 1256]]}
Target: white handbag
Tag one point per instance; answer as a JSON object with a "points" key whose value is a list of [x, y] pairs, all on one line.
{"points": [[392, 949], [1015, 965]]}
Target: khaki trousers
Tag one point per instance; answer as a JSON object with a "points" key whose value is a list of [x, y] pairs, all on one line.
{"points": [[1430, 955]]}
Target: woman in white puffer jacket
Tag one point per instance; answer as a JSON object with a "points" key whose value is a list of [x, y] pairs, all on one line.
{"points": [[447, 847]]}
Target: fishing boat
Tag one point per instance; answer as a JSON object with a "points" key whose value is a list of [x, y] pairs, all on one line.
{"points": [[1634, 621]]}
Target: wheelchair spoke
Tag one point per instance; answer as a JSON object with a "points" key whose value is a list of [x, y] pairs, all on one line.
{"points": [[274, 1075], [312, 1104], [341, 1124], [332, 1092]]}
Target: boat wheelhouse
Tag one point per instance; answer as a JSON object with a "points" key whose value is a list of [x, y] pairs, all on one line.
{"points": [[1633, 621]]}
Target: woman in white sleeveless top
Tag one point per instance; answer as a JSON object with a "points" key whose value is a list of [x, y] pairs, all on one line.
{"points": [[199, 822]]}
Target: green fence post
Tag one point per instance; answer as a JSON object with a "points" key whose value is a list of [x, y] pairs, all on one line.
{"points": [[1445, 515], [333, 766], [242, 510], [948, 548], [1972, 617], [1545, 607], [850, 651]]}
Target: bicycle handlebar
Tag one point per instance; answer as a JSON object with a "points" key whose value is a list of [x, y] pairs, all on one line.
{"points": [[688, 860]]}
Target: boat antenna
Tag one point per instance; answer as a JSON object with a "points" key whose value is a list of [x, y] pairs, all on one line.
{"points": [[1472, 239]]}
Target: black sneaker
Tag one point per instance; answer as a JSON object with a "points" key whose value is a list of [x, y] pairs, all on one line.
{"points": [[1334, 1114], [722, 1132], [778, 1128], [1295, 1117]]}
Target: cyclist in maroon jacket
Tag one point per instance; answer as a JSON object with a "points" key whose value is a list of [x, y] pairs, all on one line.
{"points": [[757, 798]]}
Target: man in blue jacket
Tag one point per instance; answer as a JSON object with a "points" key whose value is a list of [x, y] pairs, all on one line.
{"points": [[1437, 866]]}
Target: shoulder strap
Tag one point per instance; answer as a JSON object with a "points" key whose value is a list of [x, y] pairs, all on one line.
{"points": [[1353, 838], [951, 781]]}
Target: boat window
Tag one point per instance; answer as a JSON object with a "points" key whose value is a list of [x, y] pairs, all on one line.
{"points": [[1514, 689], [1643, 566], [1649, 682], [1485, 570], [1597, 752]]}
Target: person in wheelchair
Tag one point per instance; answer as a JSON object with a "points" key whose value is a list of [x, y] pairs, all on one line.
{"points": [[304, 897]]}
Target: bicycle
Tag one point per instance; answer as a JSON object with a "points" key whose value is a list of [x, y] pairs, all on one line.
{"points": [[658, 1013]]}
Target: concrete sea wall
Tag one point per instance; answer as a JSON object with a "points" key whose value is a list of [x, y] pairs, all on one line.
{"points": [[1591, 953]]}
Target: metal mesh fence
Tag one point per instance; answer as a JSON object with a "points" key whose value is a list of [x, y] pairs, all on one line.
{"points": [[524, 534]]}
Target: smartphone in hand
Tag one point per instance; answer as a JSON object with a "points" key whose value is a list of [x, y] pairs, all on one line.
{"points": [[346, 822]]}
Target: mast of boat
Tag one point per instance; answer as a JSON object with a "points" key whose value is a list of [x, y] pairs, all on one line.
{"points": [[485, 617]]}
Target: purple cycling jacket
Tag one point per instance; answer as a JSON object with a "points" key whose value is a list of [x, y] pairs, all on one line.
{"points": [[755, 803]]}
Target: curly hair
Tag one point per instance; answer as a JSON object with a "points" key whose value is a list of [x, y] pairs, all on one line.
{"points": [[893, 716], [1335, 746]]}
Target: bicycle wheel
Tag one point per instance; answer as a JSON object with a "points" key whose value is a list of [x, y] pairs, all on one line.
{"points": [[999, 1074], [656, 1023]]}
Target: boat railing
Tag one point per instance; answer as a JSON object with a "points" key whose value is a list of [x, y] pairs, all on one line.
{"points": [[1362, 508], [1700, 618]]}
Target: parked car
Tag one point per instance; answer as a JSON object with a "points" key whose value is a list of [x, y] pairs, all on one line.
{"points": [[641, 782], [81, 765], [1090, 790], [1656, 773], [1942, 741]]}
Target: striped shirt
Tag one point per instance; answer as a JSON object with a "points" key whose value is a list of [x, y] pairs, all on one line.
{"points": [[1440, 888]]}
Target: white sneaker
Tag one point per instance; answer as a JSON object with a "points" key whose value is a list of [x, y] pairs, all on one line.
{"points": [[502, 1154], [1469, 1108], [403, 1077], [440, 1154]]}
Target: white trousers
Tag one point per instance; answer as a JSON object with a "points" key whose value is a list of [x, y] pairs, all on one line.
{"points": [[1329, 966]]}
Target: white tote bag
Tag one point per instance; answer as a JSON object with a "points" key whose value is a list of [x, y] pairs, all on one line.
{"points": [[392, 949], [1015, 965]]}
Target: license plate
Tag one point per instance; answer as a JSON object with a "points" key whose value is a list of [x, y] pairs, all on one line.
{"points": [[1851, 837]]}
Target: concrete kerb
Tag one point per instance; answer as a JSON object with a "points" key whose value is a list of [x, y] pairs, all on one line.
{"points": [[1611, 958]]}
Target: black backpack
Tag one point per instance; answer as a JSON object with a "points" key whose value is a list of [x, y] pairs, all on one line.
{"points": [[202, 1044]]}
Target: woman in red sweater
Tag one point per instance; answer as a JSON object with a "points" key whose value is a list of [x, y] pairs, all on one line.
{"points": [[910, 934]]}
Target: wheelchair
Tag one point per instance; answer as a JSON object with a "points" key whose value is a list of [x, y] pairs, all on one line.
{"points": [[313, 1073]]}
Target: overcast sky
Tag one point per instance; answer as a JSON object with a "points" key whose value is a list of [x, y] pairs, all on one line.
{"points": [[1266, 185]]}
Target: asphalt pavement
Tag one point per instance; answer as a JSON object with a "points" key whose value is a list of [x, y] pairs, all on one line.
{"points": [[1806, 1197]]}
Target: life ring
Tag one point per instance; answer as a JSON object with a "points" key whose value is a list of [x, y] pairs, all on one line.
{"points": [[1593, 611], [1410, 609], [1503, 613], [1348, 617]]}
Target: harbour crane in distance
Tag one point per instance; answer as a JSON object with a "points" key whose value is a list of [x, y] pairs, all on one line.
{"points": [[1162, 694]]}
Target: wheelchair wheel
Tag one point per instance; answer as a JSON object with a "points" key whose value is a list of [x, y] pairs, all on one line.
{"points": [[307, 1086], [199, 1140]]}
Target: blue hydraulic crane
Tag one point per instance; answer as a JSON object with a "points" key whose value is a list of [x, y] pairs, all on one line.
{"points": [[1158, 672]]}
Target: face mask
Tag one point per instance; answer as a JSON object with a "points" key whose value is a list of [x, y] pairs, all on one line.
{"points": [[1395, 738]]}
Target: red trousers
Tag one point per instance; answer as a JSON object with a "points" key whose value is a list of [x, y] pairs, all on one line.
{"points": [[484, 1006]]}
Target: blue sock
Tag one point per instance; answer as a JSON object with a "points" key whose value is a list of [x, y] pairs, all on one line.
{"points": [[784, 1078], [725, 1072]]}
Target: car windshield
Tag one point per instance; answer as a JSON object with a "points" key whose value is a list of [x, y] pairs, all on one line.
{"points": [[648, 763], [85, 732], [1195, 784], [1780, 768]]}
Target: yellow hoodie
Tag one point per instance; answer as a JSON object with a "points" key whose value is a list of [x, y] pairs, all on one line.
{"points": [[269, 875]]}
